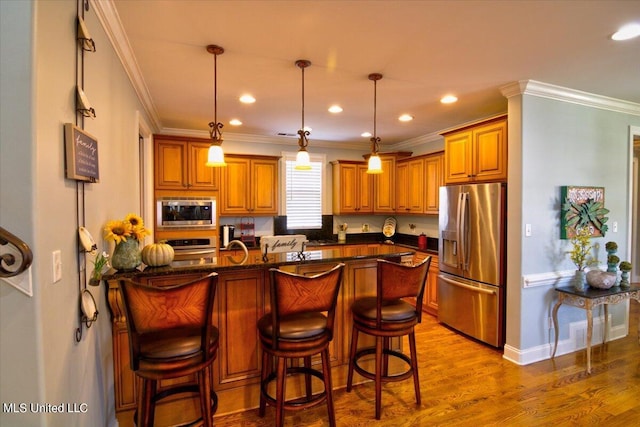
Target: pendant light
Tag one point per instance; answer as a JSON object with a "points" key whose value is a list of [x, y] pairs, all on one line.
{"points": [[302, 158], [375, 164], [216, 155]]}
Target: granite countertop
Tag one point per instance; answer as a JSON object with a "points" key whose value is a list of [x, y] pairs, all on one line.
{"points": [[226, 263]]}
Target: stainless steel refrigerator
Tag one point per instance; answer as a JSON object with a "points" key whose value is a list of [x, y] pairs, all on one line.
{"points": [[471, 282]]}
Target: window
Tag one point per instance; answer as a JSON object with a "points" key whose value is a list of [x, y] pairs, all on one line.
{"points": [[303, 193]]}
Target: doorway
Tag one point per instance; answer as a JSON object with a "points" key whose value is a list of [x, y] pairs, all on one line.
{"points": [[634, 253]]}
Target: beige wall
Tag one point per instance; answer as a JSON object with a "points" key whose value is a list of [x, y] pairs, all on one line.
{"points": [[40, 360]]}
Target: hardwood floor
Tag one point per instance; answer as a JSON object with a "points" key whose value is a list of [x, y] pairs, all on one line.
{"points": [[464, 383]]}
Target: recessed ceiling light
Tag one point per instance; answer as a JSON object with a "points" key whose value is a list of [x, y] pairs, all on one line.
{"points": [[405, 118], [366, 134], [335, 109], [247, 99], [627, 32], [235, 122], [448, 99]]}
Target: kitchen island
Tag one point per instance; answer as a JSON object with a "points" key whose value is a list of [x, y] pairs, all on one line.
{"points": [[242, 298]]}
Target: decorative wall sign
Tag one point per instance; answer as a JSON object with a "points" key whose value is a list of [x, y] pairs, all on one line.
{"points": [[583, 207], [81, 154]]}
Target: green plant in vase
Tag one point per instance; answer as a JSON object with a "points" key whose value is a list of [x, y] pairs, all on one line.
{"points": [[99, 264], [580, 255], [625, 268]]}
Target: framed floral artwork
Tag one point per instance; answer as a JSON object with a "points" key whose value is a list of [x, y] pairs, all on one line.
{"points": [[582, 207]]}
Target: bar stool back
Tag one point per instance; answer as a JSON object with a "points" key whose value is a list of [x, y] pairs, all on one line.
{"points": [[171, 336], [299, 325], [387, 315]]}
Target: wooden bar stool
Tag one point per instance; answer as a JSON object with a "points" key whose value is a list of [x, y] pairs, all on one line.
{"points": [[171, 336], [387, 315], [299, 325]]}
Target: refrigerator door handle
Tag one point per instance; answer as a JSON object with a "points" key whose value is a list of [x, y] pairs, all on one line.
{"points": [[458, 247], [469, 287], [463, 234]]}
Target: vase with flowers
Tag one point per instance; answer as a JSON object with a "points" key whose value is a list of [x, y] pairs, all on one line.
{"points": [[580, 254], [127, 235]]}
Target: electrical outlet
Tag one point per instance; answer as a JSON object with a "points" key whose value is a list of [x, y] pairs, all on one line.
{"points": [[615, 226], [527, 230], [57, 265]]}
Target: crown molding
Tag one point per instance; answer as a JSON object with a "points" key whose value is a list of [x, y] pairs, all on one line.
{"points": [[559, 93], [110, 21], [262, 139]]}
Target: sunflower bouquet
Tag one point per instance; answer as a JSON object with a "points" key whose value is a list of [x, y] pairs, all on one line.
{"points": [[131, 226], [127, 235]]}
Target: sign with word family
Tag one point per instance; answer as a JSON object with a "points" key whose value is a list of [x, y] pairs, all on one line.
{"points": [[81, 154], [284, 243]]}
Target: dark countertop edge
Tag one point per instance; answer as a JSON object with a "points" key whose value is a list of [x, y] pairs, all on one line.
{"points": [[208, 268]]}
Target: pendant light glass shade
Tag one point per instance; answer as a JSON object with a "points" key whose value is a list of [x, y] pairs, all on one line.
{"points": [[215, 157], [375, 164], [303, 162]]}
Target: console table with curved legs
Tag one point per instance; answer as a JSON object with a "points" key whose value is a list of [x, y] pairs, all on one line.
{"points": [[588, 299]]}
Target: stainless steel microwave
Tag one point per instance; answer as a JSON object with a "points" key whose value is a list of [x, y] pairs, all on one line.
{"points": [[191, 212]]}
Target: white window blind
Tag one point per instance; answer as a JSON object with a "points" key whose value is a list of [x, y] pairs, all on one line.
{"points": [[303, 195]]}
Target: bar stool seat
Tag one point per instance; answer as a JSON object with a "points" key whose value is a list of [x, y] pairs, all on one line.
{"points": [[171, 336], [385, 316], [299, 325]]}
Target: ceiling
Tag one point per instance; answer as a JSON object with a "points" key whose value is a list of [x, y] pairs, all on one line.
{"points": [[424, 49]]}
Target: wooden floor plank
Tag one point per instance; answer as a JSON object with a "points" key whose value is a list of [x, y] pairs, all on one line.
{"points": [[465, 383]]}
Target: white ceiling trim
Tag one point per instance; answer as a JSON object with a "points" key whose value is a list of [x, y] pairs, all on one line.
{"points": [[559, 93], [110, 21]]}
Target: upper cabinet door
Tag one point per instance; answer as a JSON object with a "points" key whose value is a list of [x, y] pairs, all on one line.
{"points": [[410, 182], [490, 152], [477, 153], [249, 186], [264, 184], [201, 176], [352, 188], [385, 186], [180, 164], [457, 162], [170, 165], [433, 166], [235, 193]]}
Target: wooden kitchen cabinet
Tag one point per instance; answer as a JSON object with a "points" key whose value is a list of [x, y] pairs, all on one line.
{"points": [[384, 198], [352, 188], [418, 181], [180, 164], [434, 179], [430, 301], [249, 185], [410, 184], [242, 299], [477, 153]]}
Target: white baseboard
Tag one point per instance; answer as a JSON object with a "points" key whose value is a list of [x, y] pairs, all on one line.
{"points": [[575, 342]]}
